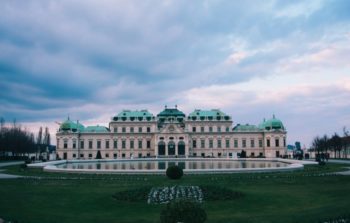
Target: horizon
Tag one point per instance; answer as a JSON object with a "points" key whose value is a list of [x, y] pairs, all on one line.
{"points": [[90, 60]]}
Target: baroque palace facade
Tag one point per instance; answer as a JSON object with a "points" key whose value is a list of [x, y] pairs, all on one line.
{"points": [[203, 133]]}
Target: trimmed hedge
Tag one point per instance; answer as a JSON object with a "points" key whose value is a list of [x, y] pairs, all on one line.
{"points": [[174, 172], [215, 193], [185, 211]]}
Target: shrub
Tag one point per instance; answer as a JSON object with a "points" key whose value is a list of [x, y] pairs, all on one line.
{"points": [[185, 211], [174, 172]]}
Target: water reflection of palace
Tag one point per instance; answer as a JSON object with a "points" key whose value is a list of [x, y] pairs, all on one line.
{"points": [[203, 133]]}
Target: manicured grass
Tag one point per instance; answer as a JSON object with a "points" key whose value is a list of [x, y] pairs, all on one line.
{"points": [[303, 196]]}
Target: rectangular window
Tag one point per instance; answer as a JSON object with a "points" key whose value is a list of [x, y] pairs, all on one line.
{"points": [[115, 144], [82, 144], [123, 144], [123, 129], [202, 128], [98, 144], [65, 144], [90, 155], [210, 143], [235, 143], [260, 143], [115, 129], [227, 143], [148, 129], [244, 143], [227, 129], [210, 129], [219, 129], [140, 129], [202, 143], [148, 144], [131, 144], [107, 144], [268, 142], [194, 143], [115, 156], [193, 129], [219, 143], [131, 129], [277, 142], [284, 142], [107, 155], [252, 143], [74, 144], [74, 155], [90, 144], [140, 144], [81, 155]]}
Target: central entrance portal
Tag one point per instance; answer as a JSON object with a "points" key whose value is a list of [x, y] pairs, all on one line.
{"points": [[181, 148], [171, 148], [161, 148]]}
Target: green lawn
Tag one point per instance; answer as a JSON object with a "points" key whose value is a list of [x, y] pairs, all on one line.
{"points": [[303, 196]]}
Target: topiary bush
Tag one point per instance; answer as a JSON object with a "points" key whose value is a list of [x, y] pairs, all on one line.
{"points": [[174, 172], [185, 211]]}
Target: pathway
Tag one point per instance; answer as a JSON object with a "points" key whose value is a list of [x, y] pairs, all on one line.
{"points": [[9, 176]]}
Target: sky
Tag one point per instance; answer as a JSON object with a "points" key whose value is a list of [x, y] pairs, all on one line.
{"points": [[90, 59]]}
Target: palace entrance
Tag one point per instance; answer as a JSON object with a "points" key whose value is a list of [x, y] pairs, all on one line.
{"points": [[171, 148], [161, 148], [181, 148]]}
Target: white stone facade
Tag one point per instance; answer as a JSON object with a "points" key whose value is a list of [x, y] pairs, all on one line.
{"points": [[130, 135]]}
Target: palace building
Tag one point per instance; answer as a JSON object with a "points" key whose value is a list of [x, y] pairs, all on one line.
{"points": [[203, 133]]}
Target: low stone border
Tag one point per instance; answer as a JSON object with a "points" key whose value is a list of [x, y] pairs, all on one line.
{"points": [[294, 165]]}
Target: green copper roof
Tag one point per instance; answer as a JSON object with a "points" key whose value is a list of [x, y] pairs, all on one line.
{"points": [[69, 125], [272, 123], [214, 114], [133, 115], [246, 128], [171, 112], [97, 128]]}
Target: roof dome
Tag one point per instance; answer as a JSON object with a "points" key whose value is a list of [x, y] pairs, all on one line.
{"points": [[171, 112], [69, 125], [272, 123]]}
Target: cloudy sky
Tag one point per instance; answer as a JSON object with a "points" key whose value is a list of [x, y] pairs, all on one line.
{"points": [[91, 59]]}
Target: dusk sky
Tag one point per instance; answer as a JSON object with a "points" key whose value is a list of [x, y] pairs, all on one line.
{"points": [[251, 59]]}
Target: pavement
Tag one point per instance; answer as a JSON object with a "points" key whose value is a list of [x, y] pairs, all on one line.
{"points": [[9, 176]]}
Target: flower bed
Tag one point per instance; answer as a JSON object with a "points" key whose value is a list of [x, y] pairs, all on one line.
{"points": [[161, 195]]}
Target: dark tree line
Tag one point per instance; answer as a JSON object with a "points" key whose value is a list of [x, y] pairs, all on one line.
{"points": [[16, 141], [335, 143]]}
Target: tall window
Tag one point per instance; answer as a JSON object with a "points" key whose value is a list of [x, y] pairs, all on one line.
{"points": [[107, 144], [219, 143], [123, 129], [140, 144], [148, 129], [82, 144], [227, 129], [194, 143], [98, 144], [219, 129], [115, 144], [210, 129], [210, 143], [235, 143], [148, 144], [65, 144], [193, 129], [202, 143], [268, 142], [277, 142], [74, 144], [140, 129], [123, 144], [131, 144], [252, 143], [284, 142], [115, 129], [244, 143], [260, 143], [202, 128], [131, 129], [227, 143], [90, 144]]}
